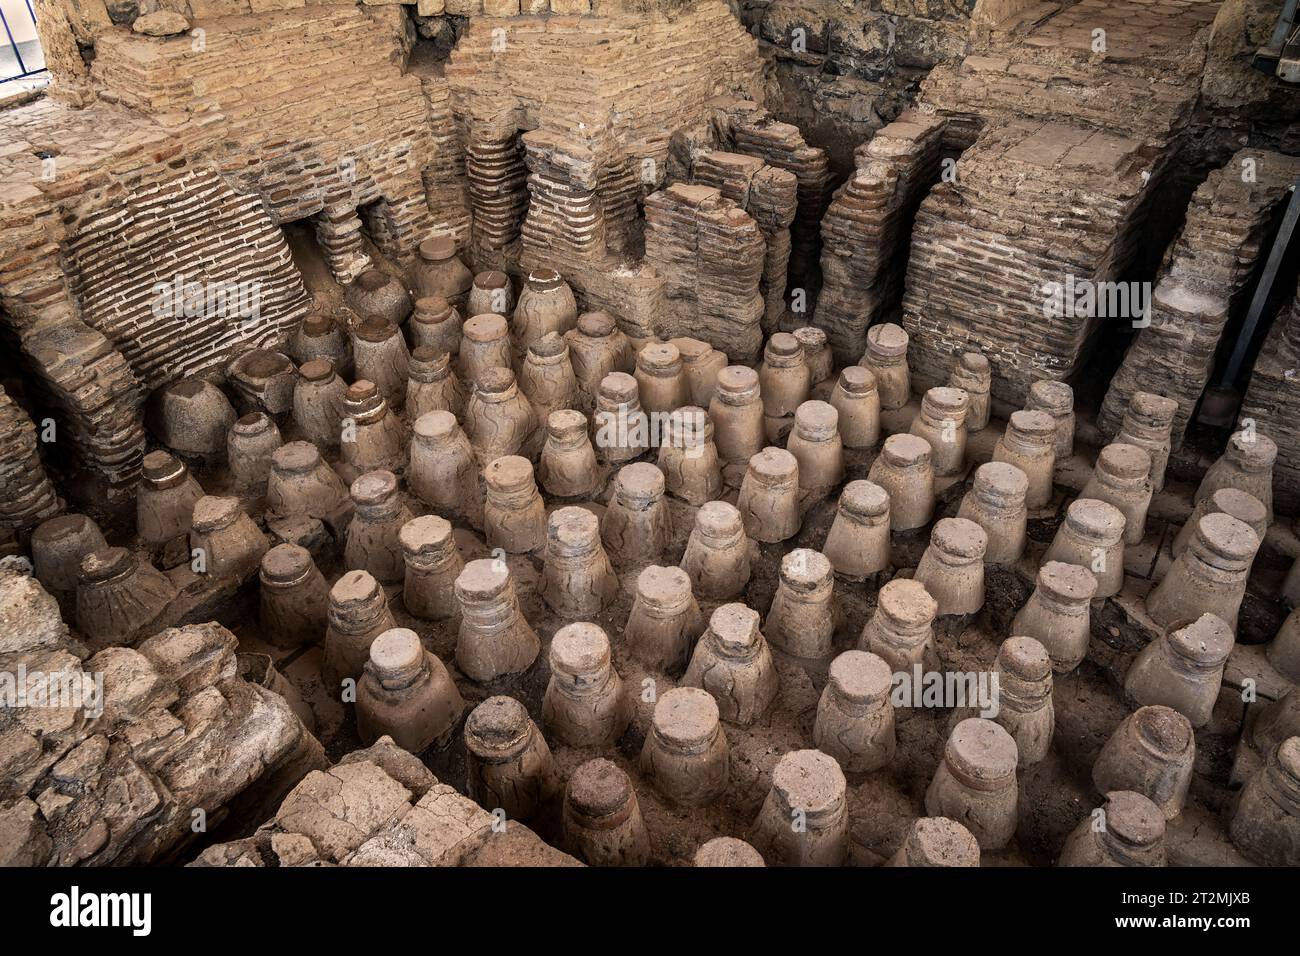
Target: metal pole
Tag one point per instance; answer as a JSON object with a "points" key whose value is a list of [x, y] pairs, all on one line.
{"points": [[22, 67], [1260, 298]]}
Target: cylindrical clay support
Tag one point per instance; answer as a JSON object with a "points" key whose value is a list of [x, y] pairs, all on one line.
{"points": [[58, 546], [736, 411], [1057, 613], [1148, 424], [546, 377], [1229, 501], [433, 564], [1132, 834], [510, 766], [318, 403], [942, 423], [490, 292], [577, 579], [637, 527], [1183, 669], [165, 500], [857, 400], [665, 621], [602, 819], [119, 596], [432, 387], [937, 841], [596, 348], [804, 820], [443, 473], [858, 544], [568, 468], [900, 631], [372, 536], [855, 718], [952, 567], [252, 441], [815, 443], [1122, 478], [407, 694], [717, 557], [996, 502], [688, 457], [886, 357], [230, 542], [495, 638], [784, 377], [584, 704], [733, 663], [660, 379], [769, 496], [801, 619], [1247, 465], [1266, 824], [1210, 576], [1151, 753], [976, 782], [1028, 443], [621, 425], [973, 375], [1025, 708], [1092, 537], [435, 324], [499, 419], [484, 344], [372, 437], [380, 355], [514, 515], [903, 469], [727, 852], [701, 363], [685, 754], [438, 270], [1057, 400], [301, 483], [358, 613]]}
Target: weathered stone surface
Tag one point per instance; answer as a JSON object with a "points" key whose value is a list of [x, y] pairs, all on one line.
{"points": [[357, 813], [338, 808], [178, 733], [29, 615], [710, 253], [161, 23], [1202, 284], [866, 225]]}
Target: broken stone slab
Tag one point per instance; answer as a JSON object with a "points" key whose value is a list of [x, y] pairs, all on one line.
{"points": [[161, 23], [194, 656], [401, 765], [29, 615], [339, 808]]}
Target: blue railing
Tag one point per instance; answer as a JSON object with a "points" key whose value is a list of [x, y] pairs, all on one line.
{"points": [[20, 58]]}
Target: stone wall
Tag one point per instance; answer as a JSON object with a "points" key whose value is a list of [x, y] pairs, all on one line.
{"points": [[1202, 285], [382, 807], [866, 230], [185, 157], [844, 68], [181, 739], [1273, 402]]}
